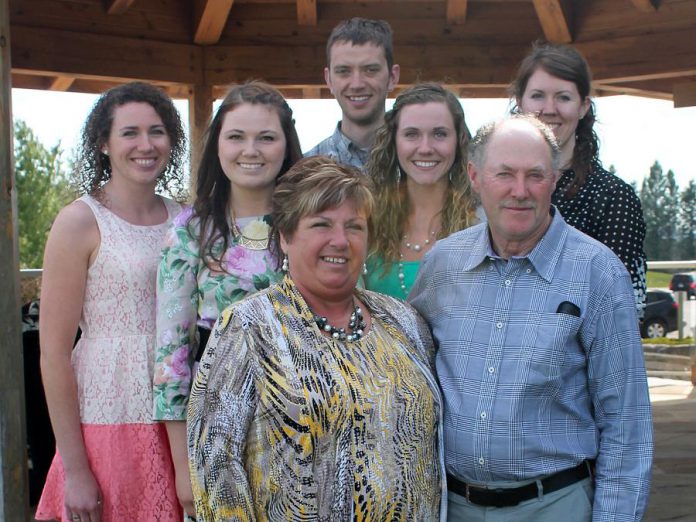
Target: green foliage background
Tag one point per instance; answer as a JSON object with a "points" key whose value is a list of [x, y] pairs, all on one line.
{"points": [[42, 190], [670, 216]]}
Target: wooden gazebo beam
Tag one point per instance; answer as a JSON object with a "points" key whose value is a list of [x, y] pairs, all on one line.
{"points": [[80, 55], [685, 94], [307, 12], [647, 6], [61, 83], [555, 19], [210, 17], [14, 482], [456, 11], [115, 7]]}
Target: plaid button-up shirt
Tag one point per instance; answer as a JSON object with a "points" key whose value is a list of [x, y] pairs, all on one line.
{"points": [[530, 391], [341, 149]]}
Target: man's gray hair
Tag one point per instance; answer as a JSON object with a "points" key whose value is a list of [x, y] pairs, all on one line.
{"points": [[479, 145]]}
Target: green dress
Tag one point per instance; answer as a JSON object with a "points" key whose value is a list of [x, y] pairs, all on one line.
{"points": [[389, 283]]}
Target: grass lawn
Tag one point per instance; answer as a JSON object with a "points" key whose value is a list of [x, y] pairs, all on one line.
{"points": [[669, 341], [658, 279]]}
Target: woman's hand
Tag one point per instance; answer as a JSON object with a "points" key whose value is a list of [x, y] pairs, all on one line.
{"points": [[184, 492], [176, 431], [82, 497]]}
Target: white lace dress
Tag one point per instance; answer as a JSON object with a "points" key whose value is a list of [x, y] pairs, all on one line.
{"points": [[113, 362]]}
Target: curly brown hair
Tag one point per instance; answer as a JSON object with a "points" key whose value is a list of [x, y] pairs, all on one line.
{"points": [[392, 205], [94, 167], [566, 63]]}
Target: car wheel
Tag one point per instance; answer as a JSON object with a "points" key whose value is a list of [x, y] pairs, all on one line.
{"points": [[654, 328]]}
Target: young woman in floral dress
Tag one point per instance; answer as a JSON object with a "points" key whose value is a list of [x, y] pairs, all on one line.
{"points": [[217, 252]]}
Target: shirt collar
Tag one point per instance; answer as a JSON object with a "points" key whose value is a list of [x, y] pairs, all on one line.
{"points": [[345, 145], [543, 257]]}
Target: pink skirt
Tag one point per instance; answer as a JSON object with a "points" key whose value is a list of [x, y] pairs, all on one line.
{"points": [[133, 467]]}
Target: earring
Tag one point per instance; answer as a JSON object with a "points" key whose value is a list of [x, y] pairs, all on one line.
{"points": [[364, 268], [105, 152], [449, 175], [398, 173], [286, 265]]}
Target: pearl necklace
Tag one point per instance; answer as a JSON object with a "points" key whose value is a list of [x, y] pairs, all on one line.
{"points": [[415, 246], [356, 325], [401, 275]]}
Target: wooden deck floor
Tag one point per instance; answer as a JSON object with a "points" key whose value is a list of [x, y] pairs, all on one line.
{"points": [[673, 492]]}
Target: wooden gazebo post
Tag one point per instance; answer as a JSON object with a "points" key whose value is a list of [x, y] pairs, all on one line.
{"points": [[14, 484], [200, 112]]}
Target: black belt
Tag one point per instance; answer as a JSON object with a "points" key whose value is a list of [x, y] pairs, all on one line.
{"points": [[506, 497]]}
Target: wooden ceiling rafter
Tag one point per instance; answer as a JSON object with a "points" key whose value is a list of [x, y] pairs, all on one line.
{"points": [[456, 11], [61, 83], [307, 12], [210, 17], [684, 94], [608, 89], [555, 17], [116, 7], [311, 92], [647, 6], [642, 47]]}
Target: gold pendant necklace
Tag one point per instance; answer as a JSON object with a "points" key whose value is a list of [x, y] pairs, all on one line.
{"points": [[255, 236]]}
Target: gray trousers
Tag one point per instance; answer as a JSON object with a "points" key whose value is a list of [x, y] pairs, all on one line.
{"points": [[570, 504]]}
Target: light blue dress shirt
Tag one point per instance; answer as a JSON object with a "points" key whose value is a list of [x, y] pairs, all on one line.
{"points": [[529, 391]]}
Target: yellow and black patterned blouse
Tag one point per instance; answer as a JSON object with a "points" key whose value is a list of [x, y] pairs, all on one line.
{"points": [[285, 424]]}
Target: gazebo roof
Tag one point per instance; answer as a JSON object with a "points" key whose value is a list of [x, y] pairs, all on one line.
{"points": [[643, 47]]}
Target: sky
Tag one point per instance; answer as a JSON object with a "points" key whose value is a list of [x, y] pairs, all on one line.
{"points": [[634, 132]]}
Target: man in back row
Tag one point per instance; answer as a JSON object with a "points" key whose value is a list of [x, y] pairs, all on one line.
{"points": [[360, 72], [547, 413]]}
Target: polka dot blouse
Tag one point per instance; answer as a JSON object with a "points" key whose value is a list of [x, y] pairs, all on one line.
{"points": [[608, 209]]}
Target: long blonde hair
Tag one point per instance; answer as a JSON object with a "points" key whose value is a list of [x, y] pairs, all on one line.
{"points": [[392, 205]]}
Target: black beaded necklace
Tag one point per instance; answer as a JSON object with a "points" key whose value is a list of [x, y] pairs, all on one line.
{"points": [[356, 326]]}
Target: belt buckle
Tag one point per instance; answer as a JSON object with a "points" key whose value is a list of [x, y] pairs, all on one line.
{"points": [[466, 489]]}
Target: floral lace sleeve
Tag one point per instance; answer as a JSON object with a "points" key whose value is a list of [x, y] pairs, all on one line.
{"points": [[177, 309]]}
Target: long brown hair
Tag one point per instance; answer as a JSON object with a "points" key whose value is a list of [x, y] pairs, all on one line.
{"points": [[213, 189], [392, 202], [566, 63]]}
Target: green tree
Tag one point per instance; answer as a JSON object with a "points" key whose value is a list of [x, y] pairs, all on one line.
{"points": [[42, 190], [653, 196], [687, 222], [671, 227]]}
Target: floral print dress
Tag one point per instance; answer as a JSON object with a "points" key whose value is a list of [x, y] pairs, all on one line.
{"points": [[190, 295]]}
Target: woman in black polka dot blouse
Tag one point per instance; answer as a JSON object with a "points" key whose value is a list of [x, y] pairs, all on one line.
{"points": [[554, 81]]}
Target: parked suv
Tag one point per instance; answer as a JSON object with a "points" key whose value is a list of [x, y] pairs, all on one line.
{"points": [[684, 283], [660, 314]]}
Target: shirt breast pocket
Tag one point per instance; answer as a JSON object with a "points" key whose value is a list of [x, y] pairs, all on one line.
{"points": [[555, 345]]}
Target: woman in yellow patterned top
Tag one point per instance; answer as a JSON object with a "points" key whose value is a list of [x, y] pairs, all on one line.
{"points": [[315, 400]]}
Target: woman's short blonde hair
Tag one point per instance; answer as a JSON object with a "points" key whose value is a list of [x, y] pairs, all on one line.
{"points": [[315, 184]]}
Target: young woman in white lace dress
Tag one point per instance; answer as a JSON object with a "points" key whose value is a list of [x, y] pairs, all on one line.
{"points": [[113, 461]]}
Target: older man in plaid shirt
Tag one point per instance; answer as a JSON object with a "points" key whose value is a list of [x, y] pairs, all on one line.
{"points": [[547, 414]]}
